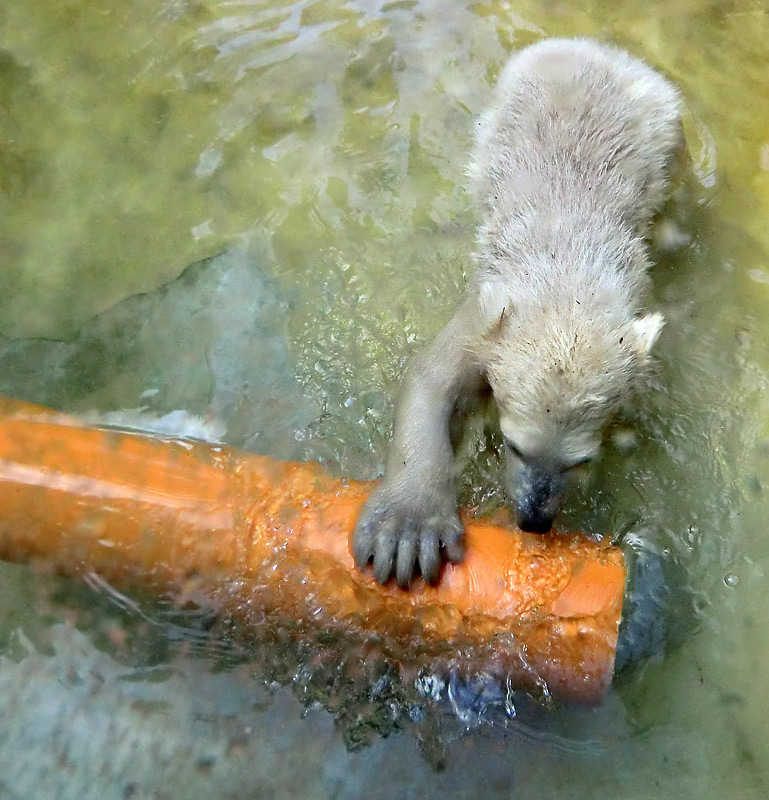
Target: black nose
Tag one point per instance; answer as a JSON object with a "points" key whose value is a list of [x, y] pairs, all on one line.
{"points": [[534, 523]]}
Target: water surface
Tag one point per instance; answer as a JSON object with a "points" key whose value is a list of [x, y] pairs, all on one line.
{"points": [[254, 212]]}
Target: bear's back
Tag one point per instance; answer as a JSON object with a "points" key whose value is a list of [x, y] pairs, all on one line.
{"points": [[577, 121]]}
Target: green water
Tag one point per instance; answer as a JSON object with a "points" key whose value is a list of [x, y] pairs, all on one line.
{"points": [[316, 149]]}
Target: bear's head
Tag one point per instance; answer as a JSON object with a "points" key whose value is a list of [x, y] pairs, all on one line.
{"points": [[558, 373]]}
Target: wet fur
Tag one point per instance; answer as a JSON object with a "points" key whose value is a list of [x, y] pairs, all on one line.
{"points": [[570, 165]]}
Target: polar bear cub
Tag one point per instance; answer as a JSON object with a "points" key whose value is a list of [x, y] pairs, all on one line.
{"points": [[570, 164]]}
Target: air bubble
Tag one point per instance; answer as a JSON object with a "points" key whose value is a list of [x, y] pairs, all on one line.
{"points": [[731, 579]]}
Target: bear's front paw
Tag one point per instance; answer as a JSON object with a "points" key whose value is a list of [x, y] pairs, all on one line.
{"points": [[403, 532]]}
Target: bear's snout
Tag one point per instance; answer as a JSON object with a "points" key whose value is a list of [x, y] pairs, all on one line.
{"points": [[534, 523], [538, 494]]}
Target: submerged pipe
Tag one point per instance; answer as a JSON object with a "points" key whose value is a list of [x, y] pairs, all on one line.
{"points": [[265, 539]]}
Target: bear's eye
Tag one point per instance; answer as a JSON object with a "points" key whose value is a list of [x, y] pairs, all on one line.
{"points": [[580, 463], [514, 449]]}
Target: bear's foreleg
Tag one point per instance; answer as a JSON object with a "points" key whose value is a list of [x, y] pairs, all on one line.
{"points": [[412, 517]]}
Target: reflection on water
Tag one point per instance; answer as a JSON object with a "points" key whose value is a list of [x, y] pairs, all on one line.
{"points": [[321, 146]]}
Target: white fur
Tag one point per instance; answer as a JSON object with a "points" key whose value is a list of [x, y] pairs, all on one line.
{"points": [[570, 165]]}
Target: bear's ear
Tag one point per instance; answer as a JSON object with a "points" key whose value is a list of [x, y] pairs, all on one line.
{"points": [[645, 332], [495, 307]]}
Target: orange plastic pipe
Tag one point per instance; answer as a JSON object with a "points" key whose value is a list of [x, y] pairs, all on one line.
{"points": [[261, 537]]}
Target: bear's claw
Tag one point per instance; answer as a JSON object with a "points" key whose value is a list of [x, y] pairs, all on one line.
{"points": [[401, 538]]}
